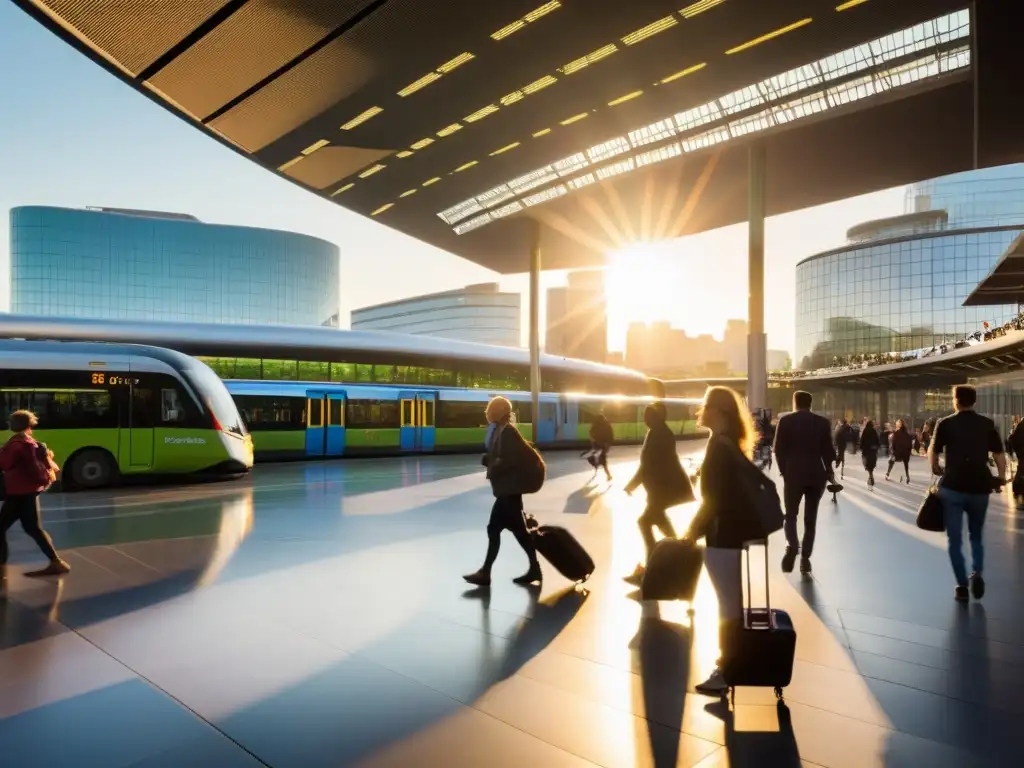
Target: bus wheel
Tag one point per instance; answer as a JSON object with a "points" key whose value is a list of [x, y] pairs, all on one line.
{"points": [[92, 469]]}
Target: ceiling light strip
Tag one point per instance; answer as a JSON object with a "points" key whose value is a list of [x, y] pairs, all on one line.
{"points": [[466, 166], [850, 4], [455, 63], [314, 147], [540, 84], [423, 82], [770, 35], [684, 72], [290, 163], [372, 170], [575, 118], [505, 149], [383, 208], [624, 99], [409, 192], [449, 130], [699, 7], [650, 30], [529, 18], [422, 143], [480, 114], [361, 118], [542, 132], [405, 153], [346, 188], [591, 58], [434, 180], [472, 224]]}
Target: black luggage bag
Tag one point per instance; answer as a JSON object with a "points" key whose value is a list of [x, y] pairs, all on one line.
{"points": [[673, 570], [560, 548], [766, 645]]}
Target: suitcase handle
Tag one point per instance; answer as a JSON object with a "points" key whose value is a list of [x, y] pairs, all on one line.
{"points": [[767, 590]]}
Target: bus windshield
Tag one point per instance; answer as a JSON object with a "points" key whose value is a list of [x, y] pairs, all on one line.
{"points": [[214, 395]]}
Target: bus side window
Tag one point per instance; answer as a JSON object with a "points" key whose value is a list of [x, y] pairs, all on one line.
{"points": [[172, 410]]}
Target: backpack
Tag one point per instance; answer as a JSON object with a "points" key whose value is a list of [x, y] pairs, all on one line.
{"points": [[39, 467], [533, 473], [758, 494]]}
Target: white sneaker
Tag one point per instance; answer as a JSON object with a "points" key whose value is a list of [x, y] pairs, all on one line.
{"points": [[714, 685]]}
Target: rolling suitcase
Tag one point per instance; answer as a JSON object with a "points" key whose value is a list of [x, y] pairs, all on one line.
{"points": [[560, 548], [673, 570], [765, 646]]}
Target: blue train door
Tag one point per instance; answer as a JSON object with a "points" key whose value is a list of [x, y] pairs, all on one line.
{"points": [[544, 433], [416, 426], [335, 445], [316, 432]]}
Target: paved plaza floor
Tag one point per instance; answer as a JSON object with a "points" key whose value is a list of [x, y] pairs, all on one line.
{"points": [[314, 615]]}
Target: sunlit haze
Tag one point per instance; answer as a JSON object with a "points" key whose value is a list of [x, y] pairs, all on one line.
{"points": [[72, 135]]}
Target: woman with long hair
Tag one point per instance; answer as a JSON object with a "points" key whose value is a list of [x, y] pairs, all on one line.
{"points": [[724, 519], [507, 454], [869, 443]]}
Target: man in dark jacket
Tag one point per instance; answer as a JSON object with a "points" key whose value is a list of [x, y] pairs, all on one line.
{"points": [[664, 479], [18, 460], [843, 437], [803, 450]]}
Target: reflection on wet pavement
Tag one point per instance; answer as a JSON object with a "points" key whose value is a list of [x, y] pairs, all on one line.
{"points": [[313, 614]]}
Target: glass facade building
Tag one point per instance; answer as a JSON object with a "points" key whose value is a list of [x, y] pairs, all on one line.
{"points": [[479, 313], [899, 284], [140, 265]]}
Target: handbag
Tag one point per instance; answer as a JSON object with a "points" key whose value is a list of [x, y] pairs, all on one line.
{"points": [[930, 516]]}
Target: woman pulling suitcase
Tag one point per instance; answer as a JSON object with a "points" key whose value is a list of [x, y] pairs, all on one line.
{"points": [[724, 519], [508, 457]]}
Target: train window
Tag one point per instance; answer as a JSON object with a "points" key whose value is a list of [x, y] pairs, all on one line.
{"points": [[314, 371], [342, 372], [364, 372], [269, 414], [280, 370], [316, 412], [235, 367], [64, 409], [385, 374], [455, 415], [371, 414]]}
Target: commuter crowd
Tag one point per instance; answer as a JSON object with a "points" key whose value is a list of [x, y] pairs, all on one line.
{"points": [[738, 510]]}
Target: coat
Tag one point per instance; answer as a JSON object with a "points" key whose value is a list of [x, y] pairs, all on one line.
{"points": [[507, 454], [660, 470], [803, 449], [902, 444]]}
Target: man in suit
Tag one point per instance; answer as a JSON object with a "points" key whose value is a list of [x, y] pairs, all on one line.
{"points": [[804, 453]]}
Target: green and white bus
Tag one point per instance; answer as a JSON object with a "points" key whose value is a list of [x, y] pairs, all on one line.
{"points": [[116, 410]]}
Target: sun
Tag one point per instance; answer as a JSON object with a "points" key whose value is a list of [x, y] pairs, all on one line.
{"points": [[642, 283]]}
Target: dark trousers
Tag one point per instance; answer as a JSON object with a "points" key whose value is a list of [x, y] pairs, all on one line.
{"points": [[507, 515], [654, 516], [841, 455], [26, 510], [892, 463], [811, 497]]}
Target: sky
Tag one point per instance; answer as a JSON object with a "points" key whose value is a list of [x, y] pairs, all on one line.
{"points": [[73, 135]]}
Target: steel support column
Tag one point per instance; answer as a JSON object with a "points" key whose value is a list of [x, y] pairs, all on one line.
{"points": [[535, 329], [757, 344]]}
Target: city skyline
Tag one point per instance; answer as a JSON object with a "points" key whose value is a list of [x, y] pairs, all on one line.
{"points": [[117, 132]]}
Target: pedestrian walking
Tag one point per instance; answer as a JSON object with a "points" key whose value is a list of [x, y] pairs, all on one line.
{"points": [[29, 470], [804, 452], [508, 457], [965, 440]]}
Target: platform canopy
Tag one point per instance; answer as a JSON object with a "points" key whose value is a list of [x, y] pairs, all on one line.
{"points": [[462, 122], [1005, 283]]}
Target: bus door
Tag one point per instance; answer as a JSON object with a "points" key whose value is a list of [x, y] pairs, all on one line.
{"points": [[417, 413], [142, 433], [316, 433], [545, 432], [335, 445], [570, 420]]}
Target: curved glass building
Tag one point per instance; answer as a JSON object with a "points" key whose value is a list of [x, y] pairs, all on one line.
{"points": [[899, 283], [141, 265]]}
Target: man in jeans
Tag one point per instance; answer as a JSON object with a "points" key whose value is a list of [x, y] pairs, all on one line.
{"points": [[966, 438]]}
